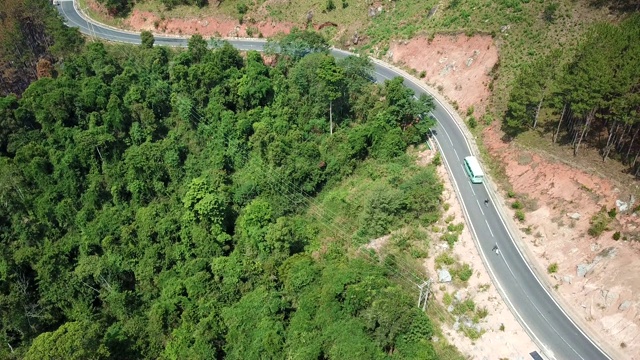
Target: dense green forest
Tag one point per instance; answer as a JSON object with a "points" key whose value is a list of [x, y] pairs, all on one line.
{"points": [[32, 40], [192, 205], [592, 99]]}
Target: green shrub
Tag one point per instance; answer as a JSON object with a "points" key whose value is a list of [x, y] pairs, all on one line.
{"points": [[418, 253], [330, 6], [520, 215], [482, 313], [455, 227], [471, 333], [511, 194], [447, 299], [423, 74], [242, 8], [450, 238], [552, 268], [437, 161], [444, 259], [612, 213], [472, 122], [466, 306], [599, 223], [502, 327], [252, 30], [616, 235], [516, 205], [470, 110], [465, 272]]}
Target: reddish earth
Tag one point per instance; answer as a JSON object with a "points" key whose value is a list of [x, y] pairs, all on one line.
{"points": [[606, 299], [458, 66], [205, 26]]}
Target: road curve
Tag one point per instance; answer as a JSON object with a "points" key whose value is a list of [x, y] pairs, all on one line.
{"points": [[550, 327]]}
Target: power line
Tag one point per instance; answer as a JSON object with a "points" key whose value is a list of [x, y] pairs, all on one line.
{"points": [[401, 270]]}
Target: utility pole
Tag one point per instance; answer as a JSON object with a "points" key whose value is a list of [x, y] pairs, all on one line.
{"points": [[425, 289]]}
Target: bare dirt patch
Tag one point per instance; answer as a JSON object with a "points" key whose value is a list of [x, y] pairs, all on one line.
{"points": [[457, 65], [206, 26], [606, 298]]}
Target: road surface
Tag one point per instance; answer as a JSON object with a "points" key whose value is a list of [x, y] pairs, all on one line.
{"points": [[550, 327]]}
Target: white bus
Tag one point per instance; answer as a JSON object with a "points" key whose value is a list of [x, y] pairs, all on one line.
{"points": [[472, 167]]}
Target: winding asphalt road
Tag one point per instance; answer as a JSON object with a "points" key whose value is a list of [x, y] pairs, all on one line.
{"points": [[551, 328]]}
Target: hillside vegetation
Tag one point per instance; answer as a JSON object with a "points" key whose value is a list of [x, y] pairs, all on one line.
{"points": [[592, 99], [160, 204], [32, 39]]}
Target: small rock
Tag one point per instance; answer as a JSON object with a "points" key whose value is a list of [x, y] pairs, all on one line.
{"points": [[456, 326], [567, 279], [583, 269], [622, 206], [595, 247], [469, 62], [432, 11], [379, 10], [625, 305], [372, 12], [435, 338], [450, 308], [610, 297], [468, 323], [444, 275], [458, 296], [478, 328], [504, 28], [574, 216], [390, 54]]}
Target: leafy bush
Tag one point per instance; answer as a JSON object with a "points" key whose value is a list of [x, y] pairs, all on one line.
{"points": [[444, 259], [465, 272], [437, 160], [330, 6], [552, 268], [516, 205], [599, 223], [447, 299], [450, 238], [455, 227], [464, 307], [242, 8], [520, 215], [472, 122], [482, 312], [616, 235]]}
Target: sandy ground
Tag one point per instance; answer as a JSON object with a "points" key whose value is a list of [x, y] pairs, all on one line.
{"points": [[606, 299]]}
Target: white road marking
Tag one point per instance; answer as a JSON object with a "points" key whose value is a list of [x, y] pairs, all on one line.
{"points": [[489, 227]]}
